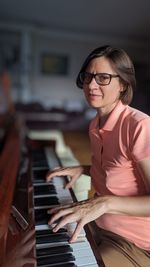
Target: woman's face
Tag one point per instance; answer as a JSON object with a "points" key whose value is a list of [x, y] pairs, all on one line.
{"points": [[102, 97]]}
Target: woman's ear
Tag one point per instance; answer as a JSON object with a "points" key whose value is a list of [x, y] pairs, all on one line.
{"points": [[122, 87]]}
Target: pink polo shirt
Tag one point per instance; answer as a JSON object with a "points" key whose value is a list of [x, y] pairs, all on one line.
{"points": [[117, 147]]}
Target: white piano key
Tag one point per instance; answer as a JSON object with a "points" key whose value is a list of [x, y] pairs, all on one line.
{"points": [[56, 181], [46, 207], [83, 251], [59, 181], [80, 245], [49, 245], [53, 162], [92, 265], [57, 265], [85, 261]]}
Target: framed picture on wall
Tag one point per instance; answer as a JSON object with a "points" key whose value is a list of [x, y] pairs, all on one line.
{"points": [[54, 64]]}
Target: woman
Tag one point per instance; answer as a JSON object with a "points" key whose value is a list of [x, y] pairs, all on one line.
{"points": [[120, 170]]}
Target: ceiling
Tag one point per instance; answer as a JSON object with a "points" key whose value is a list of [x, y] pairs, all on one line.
{"points": [[127, 18]]}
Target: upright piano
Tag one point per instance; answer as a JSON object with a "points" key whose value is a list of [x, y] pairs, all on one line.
{"points": [[25, 198]]}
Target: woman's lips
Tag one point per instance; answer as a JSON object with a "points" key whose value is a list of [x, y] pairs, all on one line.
{"points": [[94, 96]]}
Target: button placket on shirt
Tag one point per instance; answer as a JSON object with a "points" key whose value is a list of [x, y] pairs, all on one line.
{"points": [[101, 131]]}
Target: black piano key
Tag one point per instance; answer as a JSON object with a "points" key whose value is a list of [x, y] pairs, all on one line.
{"points": [[41, 216], [38, 157], [54, 250], [50, 231], [64, 264], [51, 259], [38, 152], [44, 189], [46, 201], [40, 174], [51, 238], [42, 163]]}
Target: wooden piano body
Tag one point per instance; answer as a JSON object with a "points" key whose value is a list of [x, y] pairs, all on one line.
{"points": [[9, 160], [14, 222]]}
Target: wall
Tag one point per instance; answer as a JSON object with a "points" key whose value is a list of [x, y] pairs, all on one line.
{"points": [[60, 89], [56, 88]]}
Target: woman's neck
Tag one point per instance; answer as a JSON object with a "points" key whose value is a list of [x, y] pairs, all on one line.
{"points": [[102, 120], [104, 113]]}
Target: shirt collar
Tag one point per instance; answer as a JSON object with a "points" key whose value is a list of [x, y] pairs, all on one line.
{"points": [[113, 117]]}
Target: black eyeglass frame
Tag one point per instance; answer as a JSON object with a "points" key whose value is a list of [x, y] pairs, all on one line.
{"points": [[92, 75]]}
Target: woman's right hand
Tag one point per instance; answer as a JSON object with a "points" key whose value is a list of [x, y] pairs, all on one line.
{"points": [[73, 172]]}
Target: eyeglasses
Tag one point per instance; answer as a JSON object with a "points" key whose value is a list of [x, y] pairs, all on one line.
{"points": [[100, 78]]}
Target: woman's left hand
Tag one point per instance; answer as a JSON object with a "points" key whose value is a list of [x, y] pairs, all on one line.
{"points": [[81, 212]]}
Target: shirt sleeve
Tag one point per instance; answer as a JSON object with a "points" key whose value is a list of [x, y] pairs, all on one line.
{"points": [[140, 140]]}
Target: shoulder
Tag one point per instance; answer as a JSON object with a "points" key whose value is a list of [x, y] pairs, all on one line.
{"points": [[134, 118], [135, 127], [138, 131]]}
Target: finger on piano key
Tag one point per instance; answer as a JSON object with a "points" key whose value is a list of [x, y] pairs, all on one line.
{"points": [[71, 228]]}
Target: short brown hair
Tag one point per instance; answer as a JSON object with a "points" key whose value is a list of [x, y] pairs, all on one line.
{"points": [[122, 64]]}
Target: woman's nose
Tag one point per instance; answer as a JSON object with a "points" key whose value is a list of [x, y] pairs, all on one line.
{"points": [[93, 83]]}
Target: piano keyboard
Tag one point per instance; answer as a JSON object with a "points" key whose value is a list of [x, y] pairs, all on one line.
{"points": [[54, 249]]}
